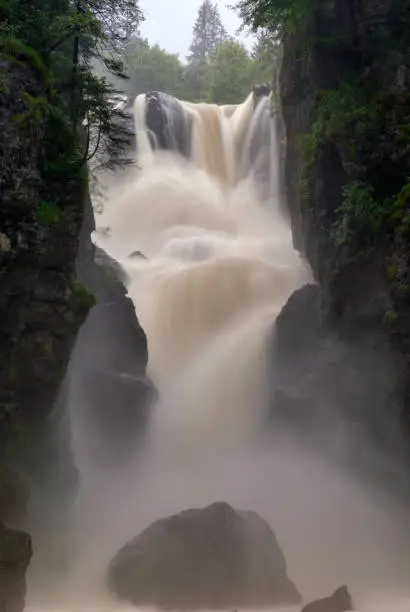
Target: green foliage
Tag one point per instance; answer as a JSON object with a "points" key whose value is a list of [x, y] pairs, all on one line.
{"points": [[47, 213], [37, 113], [226, 76], [279, 16], [230, 75], [392, 272], [265, 56], [208, 33], [60, 39], [401, 208], [14, 48], [390, 318], [361, 217], [152, 68], [81, 299], [371, 129]]}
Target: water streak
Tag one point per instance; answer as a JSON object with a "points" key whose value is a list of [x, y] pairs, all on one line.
{"points": [[220, 265]]}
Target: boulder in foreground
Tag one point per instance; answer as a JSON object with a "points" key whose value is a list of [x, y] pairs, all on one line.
{"points": [[210, 557]]}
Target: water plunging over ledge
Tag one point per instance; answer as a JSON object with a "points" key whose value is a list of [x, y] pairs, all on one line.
{"points": [[220, 264]]}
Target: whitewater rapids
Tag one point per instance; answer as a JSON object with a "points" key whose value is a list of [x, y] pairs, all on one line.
{"points": [[219, 265]]}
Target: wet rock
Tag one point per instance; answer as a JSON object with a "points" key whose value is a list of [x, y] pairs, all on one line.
{"points": [[136, 255], [15, 556], [261, 91], [363, 275], [340, 601], [41, 308], [111, 267], [166, 120], [14, 495], [112, 396], [328, 384], [107, 374], [117, 412], [210, 557]]}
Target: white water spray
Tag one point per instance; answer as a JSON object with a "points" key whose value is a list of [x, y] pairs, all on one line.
{"points": [[220, 265]]}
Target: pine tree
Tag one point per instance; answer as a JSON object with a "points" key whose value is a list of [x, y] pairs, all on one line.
{"points": [[208, 33], [266, 57], [66, 36]]}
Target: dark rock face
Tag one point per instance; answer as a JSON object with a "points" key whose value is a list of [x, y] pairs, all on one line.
{"points": [[212, 557], [15, 555], [110, 393], [41, 310], [332, 388], [340, 601], [166, 120], [260, 91], [358, 353], [108, 390]]}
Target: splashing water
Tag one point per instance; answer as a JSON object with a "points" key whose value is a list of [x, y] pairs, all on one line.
{"points": [[220, 265]]}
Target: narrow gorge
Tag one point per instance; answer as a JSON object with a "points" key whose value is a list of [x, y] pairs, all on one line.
{"points": [[204, 346]]}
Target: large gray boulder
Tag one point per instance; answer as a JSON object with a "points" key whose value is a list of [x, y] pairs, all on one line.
{"points": [[210, 557]]}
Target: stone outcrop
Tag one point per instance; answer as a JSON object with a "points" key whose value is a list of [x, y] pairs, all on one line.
{"points": [[111, 395], [15, 555], [41, 305], [339, 601], [41, 310], [331, 388], [355, 357], [166, 120], [210, 557]]}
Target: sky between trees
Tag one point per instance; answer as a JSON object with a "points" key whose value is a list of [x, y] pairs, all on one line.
{"points": [[218, 68], [159, 14]]}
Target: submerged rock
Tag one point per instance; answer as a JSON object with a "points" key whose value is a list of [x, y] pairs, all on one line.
{"points": [[340, 601], [15, 555], [210, 557]]}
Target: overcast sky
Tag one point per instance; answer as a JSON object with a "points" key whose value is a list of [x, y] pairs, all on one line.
{"points": [[169, 22]]}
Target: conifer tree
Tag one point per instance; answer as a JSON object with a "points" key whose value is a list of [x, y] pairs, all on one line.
{"points": [[208, 33]]}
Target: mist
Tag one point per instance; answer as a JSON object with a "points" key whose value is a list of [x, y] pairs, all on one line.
{"points": [[220, 266]]}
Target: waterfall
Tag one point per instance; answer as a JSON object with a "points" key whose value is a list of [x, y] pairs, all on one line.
{"points": [[202, 205]]}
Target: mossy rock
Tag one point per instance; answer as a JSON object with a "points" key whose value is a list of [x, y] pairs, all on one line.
{"points": [[81, 300]]}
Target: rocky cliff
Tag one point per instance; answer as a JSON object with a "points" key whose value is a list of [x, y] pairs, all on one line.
{"points": [[41, 310], [345, 98]]}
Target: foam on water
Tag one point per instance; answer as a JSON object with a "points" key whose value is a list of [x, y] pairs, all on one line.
{"points": [[220, 265]]}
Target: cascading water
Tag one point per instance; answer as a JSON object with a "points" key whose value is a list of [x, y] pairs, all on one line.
{"points": [[219, 267]]}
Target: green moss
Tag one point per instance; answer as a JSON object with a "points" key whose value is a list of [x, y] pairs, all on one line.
{"points": [[48, 214], [37, 113], [4, 86], [360, 217], [401, 208], [14, 48], [371, 132], [308, 146], [390, 318], [81, 299], [392, 272]]}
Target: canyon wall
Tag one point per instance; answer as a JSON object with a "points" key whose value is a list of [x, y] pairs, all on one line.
{"points": [[344, 87], [41, 309]]}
